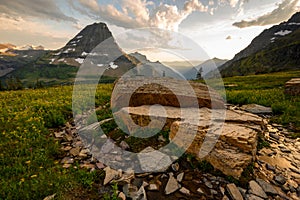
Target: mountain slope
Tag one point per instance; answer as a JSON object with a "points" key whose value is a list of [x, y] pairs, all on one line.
{"points": [[275, 49]]}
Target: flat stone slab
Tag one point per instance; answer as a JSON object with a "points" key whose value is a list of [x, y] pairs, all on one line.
{"points": [[257, 109]]}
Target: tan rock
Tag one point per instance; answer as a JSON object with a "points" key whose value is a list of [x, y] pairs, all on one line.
{"points": [[234, 192], [292, 87], [133, 92]]}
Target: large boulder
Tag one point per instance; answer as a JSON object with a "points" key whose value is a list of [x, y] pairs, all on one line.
{"points": [[133, 92], [229, 147], [292, 87]]}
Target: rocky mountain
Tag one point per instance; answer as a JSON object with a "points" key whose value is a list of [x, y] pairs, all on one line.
{"points": [[275, 49], [207, 66], [147, 68]]}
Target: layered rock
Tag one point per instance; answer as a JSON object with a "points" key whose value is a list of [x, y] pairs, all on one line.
{"points": [[292, 87], [230, 148], [133, 92]]}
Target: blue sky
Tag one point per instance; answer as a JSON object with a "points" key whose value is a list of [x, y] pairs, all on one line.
{"points": [[221, 27]]}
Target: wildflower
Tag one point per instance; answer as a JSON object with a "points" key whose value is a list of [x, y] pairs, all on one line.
{"points": [[22, 180], [33, 176], [28, 162]]}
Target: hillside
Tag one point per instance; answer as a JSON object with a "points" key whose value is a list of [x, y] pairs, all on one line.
{"points": [[275, 49]]}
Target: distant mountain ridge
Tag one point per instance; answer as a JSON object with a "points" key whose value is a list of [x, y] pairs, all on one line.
{"points": [[275, 49]]}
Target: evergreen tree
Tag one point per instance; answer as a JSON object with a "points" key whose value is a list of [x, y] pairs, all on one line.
{"points": [[199, 74]]}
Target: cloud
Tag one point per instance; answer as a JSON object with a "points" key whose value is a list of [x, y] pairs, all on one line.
{"points": [[136, 14], [34, 8], [283, 12]]}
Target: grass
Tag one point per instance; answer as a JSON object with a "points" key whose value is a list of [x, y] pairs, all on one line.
{"points": [[29, 157], [267, 90]]}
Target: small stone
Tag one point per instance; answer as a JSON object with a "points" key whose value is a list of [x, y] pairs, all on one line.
{"points": [[124, 145], [234, 192], [111, 174], [50, 197], [67, 148], [270, 167], [175, 167], [208, 184], [172, 185], [253, 197], [254, 188], [87, 166], [75, 151], [100, 165], [66, 166], [58, 134], [213, 192], [200, 191], [122, 196], [222, 190], [280, 179], [267, 187], [68, 138], [285, 150], [67, 160], [153, 187], [225, 198], [185, 191], [180, 177], [274, 136]]}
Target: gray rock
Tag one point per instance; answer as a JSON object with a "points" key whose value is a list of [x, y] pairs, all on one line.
{"points": [[267, 187], [280, 179], [152, 160], [234, 192], [124, 145], [274, 136], [254, 188], [172, 185], [257, 109], [270, 167]]}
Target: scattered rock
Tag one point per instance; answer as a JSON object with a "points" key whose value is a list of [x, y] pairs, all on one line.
{"points": [[253, 197], [255, 189], [111, 174], [122, 196], [153, 160], [200, 191], [274, 136], [100, 165], [257, 109], [280, 179], [267, 187], [180, 177], [67, 160], [234, 192], [270, 167], [153, 187], [175, 167], [185, 191], [50, 197], [172, 185], [124, 145], [75, 151]]}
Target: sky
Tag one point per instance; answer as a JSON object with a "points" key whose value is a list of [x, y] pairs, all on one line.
{"points": [[220, 28]]}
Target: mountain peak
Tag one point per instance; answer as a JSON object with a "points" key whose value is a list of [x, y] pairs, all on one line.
{"points": [[295, 18]]}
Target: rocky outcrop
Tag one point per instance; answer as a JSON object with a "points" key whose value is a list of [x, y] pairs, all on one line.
{"points": [[292, 87], [133, 92], [229, 147]]}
